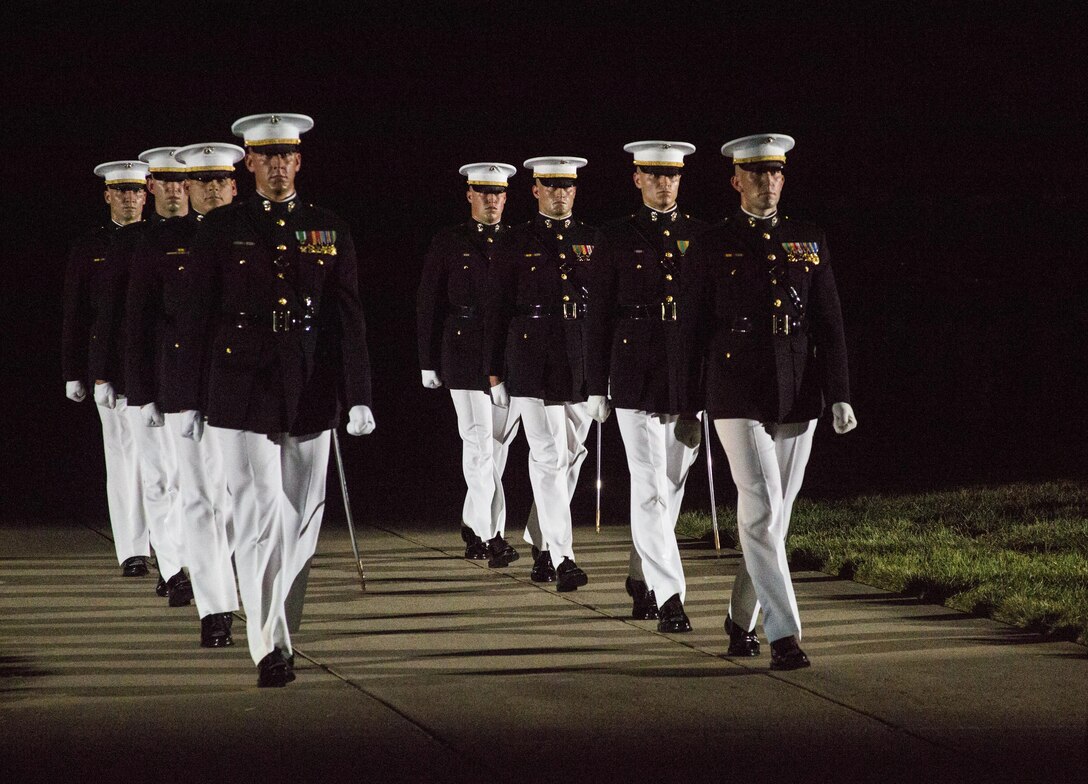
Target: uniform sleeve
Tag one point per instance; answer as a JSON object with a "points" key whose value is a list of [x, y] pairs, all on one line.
{"points": [[826, 330], [75, 330], [107, 338], [600, 322], [696, 324], [354, 356], [431, 308], [499, 309], [142, 302]]}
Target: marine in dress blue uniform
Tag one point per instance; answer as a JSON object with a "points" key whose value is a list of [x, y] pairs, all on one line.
{"points": [[450, 328], [125, 193], [160, 365], [768, 331], [285, 355], [535, 351], [635, 356]]}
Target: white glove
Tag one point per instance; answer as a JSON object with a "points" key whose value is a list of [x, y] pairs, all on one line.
{"points": [[430, 379], [689, 432], [499, 396], [151, 416], [74, 390], [192, 425], [104, 394], [360, 421], [598, 408], [845, 421]]}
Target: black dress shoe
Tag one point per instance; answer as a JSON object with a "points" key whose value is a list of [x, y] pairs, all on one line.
{"points": [[274, 671], [135, 566], [160, 586], [179, 591], [673, 618], [786, 654], [500, 553], [475, 547], [543, 571], [569, 576], [741, 641], [643, 601], [215, 630]]}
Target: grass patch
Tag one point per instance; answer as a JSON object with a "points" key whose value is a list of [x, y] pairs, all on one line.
{"points": [[1016, 553]]}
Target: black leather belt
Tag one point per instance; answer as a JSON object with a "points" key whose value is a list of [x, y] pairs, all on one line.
{"points": [[568, 310], [277, 321], [462, 311], [781, 324], [665, 311]]}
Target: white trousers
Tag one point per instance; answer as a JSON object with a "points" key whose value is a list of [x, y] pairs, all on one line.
{"points": [[278, 489], [576, 425], [486, 432], [659, 466], [202, 524], [127, 518], [156, 471], [768, 462], [547, 433]]}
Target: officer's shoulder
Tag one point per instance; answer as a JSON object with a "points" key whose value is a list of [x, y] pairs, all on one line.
{"points": [[314, 212], [617, 227]]}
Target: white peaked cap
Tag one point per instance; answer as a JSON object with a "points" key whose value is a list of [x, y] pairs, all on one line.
{"points": [[565, 167], [759, 148], [161, 159], [259, 129], [210, 157], [488, 173], [123, 172], [658, 153]]}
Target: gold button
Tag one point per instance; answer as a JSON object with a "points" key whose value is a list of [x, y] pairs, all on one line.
{"points": [[728, 355], [559, 236], [177, 345], [732, 272], [666, 232], [668, 298], [625, 340], [638, 266], [525, 336], [806, 268], [490, 239], [283, 301], [280, 275], [321, 262], [228, 349], [181, 268], [771, 257], [532, 269], [563, 276], [281, 222], [281, 247], [778, 303], [774, 281], [458, 332], [465, 267], [668, 254], [241, 261], [766, 236], [562, 255], [668, 277], [566, 298]]}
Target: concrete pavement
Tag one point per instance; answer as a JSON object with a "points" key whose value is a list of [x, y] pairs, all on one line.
{"points": [[444, 670]]}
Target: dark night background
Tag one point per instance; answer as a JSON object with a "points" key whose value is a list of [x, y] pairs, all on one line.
{"points": [[940, 145]]}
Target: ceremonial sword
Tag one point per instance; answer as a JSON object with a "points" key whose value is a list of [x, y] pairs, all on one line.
{"points": [[710, 478], [347, 507]]}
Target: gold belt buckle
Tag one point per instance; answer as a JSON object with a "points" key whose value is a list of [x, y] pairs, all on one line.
{"points": [[668, 311], [570, 310], [780, 325], [281, 320]]}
